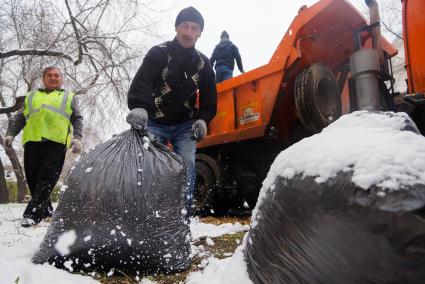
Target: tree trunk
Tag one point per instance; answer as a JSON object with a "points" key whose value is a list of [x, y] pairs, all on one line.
{"points": [[19, 173], [4, 191]]}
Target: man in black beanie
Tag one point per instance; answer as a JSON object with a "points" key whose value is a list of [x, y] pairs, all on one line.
{"points": [[163, 95], [224, 55]]}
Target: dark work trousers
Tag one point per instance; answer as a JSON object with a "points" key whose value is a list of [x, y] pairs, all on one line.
{"points": [[43, 162]]}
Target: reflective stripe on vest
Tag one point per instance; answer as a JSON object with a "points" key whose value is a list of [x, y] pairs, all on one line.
{"points": [[60, 110]]}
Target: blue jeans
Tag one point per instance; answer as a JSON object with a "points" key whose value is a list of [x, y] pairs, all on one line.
{"points": [[180, 136], [223, 72]]}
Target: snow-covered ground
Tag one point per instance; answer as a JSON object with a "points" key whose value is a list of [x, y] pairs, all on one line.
{"points": [[370, 145], [18, 245]]}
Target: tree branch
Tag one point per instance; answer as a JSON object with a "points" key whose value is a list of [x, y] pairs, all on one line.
{"points": [[23, 52], [77, 34], [391, 31]]}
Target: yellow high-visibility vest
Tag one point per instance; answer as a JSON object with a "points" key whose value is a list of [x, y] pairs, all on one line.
{"points": [[48, 116]]}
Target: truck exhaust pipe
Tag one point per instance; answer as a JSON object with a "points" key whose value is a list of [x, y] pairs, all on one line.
{"points": [[364, 65], [367, 64], [375, 33]]}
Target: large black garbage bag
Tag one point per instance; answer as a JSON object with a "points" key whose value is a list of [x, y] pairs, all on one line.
{"points": [[123, 209], [309, 228]]}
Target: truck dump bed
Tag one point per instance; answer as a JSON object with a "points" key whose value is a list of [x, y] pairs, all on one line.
{"points": [[246, 103]]}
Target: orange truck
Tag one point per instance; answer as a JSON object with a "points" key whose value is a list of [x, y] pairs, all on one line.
{"points": [[331, 61]]}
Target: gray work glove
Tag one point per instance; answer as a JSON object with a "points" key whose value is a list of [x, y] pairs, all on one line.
{"points": [[138, 118], [199, 130], [8, 141], [76, 145]]}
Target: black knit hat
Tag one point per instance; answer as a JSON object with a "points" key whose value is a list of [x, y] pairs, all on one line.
{"points": [[190, 14], [224, 34]]}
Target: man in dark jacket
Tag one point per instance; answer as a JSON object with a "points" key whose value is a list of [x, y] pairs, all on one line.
{"points": [[224, 55], [163, 94]]}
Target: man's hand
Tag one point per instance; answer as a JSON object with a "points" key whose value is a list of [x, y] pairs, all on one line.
{"points": [[199, 130], [138, 118], [8, 141], [76, 145]]}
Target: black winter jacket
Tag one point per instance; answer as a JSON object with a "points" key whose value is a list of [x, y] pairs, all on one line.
{"points": [[167, 81], [225, 53]]}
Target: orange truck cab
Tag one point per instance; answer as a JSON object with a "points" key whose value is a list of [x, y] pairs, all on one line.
{"points": [[414, 47], [414, 43], [306, 85]]}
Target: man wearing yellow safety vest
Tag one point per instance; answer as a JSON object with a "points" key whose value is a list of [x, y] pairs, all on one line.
{"points": [[46, 119]]}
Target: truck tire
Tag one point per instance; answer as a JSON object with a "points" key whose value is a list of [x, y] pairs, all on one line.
{"points": [[317, 99], [204, 188]]}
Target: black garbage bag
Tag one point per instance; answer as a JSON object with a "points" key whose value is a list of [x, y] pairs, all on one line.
{"points": [[123, 209], [309, 230]]}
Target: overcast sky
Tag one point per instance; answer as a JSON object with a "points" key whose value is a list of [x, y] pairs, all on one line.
{"points": [[256, 27]]}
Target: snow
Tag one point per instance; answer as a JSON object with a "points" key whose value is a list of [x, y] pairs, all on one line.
{"points": [[63, 188], [370, 145], [10, 174], [66, 240], [209, 241], [146, 143], [200, 230], [18, 245], [228, 270]]}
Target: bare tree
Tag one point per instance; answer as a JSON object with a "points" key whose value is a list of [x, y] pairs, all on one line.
{"points": [[391, 16], [13, 157], [87, 39], [391, 11], [4, 193], [77, 38]]}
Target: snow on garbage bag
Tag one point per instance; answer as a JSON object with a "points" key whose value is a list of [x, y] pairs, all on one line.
{"points": [[344, 206], [123, 209]]}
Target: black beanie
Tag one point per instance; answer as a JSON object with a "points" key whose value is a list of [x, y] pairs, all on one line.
{"points": [[224, 34], [190, 14]]}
